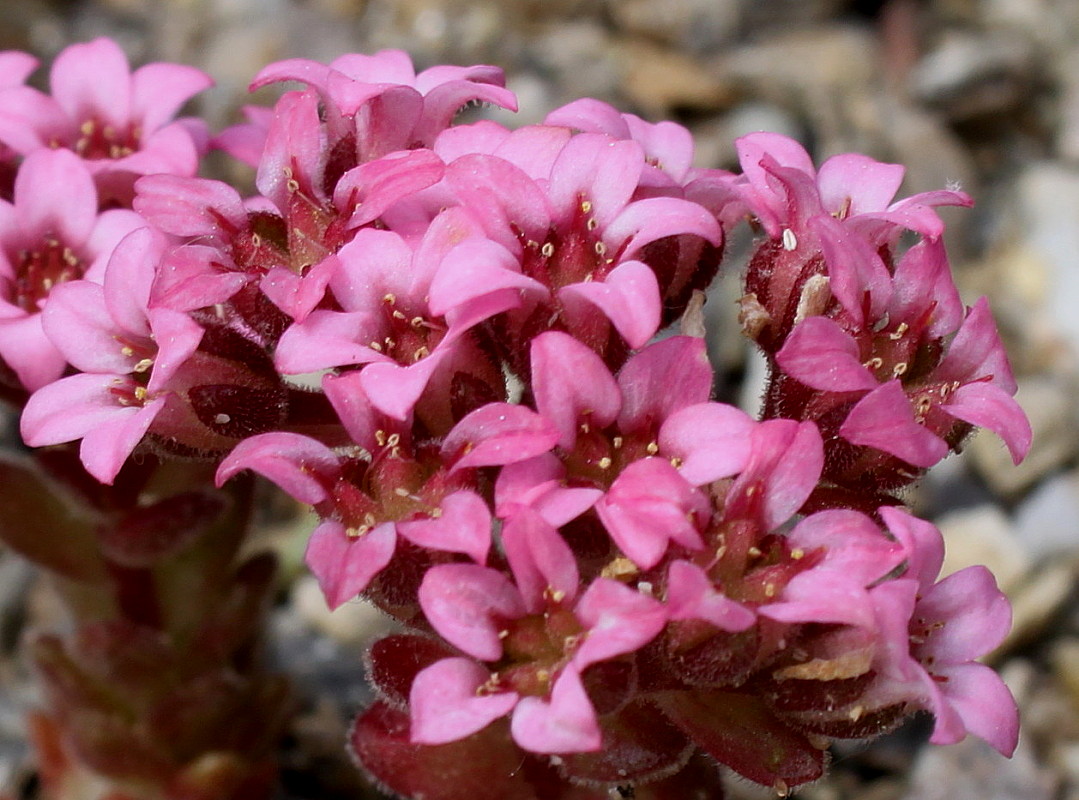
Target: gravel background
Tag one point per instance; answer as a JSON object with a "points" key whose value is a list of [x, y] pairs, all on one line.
{"points": [[983, 93]]}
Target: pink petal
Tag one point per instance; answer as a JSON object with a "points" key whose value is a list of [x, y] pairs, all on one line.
{"points": [[619, 620], [823, 356], [55, 197], [857, 184], [79, 324], [473, 269], [299, 465], [105, 448], [649, 505], [178, 337], [645, 221], [977, 352], [344, 566], [565, 724], [628, 297], [327, 339], [985, 705], [467, 603], [158, 90], [464, 526], [989, 406], [298, 296], [595, 168], [395, 389], [92, 81], [71, 407], [444, 704], [26, 349], [539, 558], [572, 385], [712, 441], [498, 434], [662, 378], [922, 541], [691, 595], [884, 419], [191, 207], [969, 615]]}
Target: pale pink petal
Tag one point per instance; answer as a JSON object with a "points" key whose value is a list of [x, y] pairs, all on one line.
{"points": [[80, 326], [105, 448], [55, 197], [444, 704], [466, 604], [71, 407], [711, 440], [193, 207], [158, 90], [26, 349], [619, 620], [565, 724], [984, 704], [968, 614], [92, 81]]}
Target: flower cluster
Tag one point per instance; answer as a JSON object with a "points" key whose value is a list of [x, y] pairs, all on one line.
{"points": [[443, 339]]}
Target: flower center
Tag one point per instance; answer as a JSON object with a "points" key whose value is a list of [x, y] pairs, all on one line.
{"points": [[100, 140], [41, 269]]}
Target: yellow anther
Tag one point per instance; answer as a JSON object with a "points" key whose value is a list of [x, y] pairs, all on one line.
{"points": [[797, 554], [586, 206], [547, 250], [143, 365], [653, 448], [899, 369], [600, 248], [604, 463], [790, 241]]}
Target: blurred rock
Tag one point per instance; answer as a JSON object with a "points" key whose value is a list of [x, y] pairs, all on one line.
{"points": [[354, 623], [1035, 604], [1047, 521], [984, 535], [659, 80], [696, 26], [972, 770], [972, 74], [1050, 405]]}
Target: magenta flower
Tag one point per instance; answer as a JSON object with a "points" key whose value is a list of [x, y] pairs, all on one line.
{"points": [[50, 234], [116, 120]]}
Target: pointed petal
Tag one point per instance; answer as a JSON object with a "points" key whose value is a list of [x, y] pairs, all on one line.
{"points": [[619, 620], [466, 603], [628, 297], [344, 566], [884, 419], [464, 526]]}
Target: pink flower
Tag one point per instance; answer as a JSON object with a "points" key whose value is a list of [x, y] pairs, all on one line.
{"points": [[491, 618], [52, 233], [128, 350], [116, 120], [382, 104], [931, 634], [785, 190]]}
